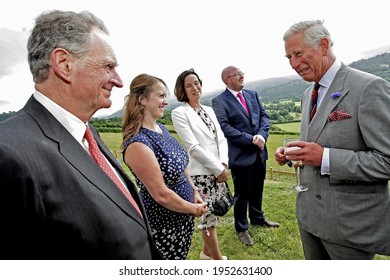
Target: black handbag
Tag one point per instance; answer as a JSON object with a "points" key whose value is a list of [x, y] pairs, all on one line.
{"points": [[223, 204]]}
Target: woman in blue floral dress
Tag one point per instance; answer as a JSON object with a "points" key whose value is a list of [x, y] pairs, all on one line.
{"points": [[159, 163]]}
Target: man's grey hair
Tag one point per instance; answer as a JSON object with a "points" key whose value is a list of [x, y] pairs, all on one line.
{"points": [[60, 29], [313, 31]]}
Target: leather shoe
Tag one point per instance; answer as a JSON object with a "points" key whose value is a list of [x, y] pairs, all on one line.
{"points": [[267, 223], [245, 237]]}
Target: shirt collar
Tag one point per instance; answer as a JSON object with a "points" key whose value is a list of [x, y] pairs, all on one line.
{"points": [[328, 78], [234, 92], [71, 123]]}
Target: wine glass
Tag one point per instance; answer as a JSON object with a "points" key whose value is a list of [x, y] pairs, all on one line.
{"points": [[297, 187]]}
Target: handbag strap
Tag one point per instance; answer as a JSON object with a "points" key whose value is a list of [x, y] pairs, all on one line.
{"points": [[227, 189]]}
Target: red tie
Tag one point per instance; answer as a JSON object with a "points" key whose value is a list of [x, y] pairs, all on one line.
{"points": [[97, 155], [314, 97], [242, 100]]}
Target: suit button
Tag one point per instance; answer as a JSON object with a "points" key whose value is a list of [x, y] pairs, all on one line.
{"points": [[318, 196], [315, 171]]}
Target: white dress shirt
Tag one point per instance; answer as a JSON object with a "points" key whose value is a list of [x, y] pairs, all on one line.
{"points": [[325, 83]]}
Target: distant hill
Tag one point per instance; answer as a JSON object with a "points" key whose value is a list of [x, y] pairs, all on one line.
{"points": [[291, 87], [378, 65], [270, 90], [4, 115]]}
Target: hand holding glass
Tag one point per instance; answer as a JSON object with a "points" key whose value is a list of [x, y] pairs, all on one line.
{"points": [[297, 187]]}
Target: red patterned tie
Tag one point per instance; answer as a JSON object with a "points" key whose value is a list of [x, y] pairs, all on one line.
{"points": [[314, 97], [97, 155], [242, 100]]}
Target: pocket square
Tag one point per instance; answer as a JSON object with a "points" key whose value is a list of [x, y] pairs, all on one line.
{"points": [[338, 116]]}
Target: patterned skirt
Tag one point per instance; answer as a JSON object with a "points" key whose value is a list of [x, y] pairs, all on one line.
{"points": [[209, 191]]}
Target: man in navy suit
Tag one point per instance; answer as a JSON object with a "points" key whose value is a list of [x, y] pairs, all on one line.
{"points": [[56, 202], [245, 124]]}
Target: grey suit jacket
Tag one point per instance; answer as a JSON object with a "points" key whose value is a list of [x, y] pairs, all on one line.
{"points": [[351, 207], [56, 202]]}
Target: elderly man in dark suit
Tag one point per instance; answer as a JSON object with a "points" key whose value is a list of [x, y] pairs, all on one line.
{"points": [[345, 151], [245, 124], [56, 201]]}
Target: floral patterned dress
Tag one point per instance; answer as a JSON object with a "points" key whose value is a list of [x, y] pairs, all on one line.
{"points": [[172, 231], [209, 189]]}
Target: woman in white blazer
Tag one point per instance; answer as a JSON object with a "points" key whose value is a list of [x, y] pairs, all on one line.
{"points": [[200, 133]]}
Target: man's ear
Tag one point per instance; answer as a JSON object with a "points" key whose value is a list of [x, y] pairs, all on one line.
{"points": [[325, 46], [61, 62]]}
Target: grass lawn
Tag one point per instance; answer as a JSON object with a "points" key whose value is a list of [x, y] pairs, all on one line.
{"points": [[270, 244], [278, 203], [290, 127]]}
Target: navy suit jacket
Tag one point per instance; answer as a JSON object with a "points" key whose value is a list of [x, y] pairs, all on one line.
{"points": [[56, 202], [239, 127]]}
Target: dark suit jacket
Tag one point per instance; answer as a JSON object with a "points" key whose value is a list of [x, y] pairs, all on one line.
{"points": [[239, 128], [56, 202]]}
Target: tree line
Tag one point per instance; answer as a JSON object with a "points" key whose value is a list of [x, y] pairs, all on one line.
{"points": [[115, 124], [281, 101]]}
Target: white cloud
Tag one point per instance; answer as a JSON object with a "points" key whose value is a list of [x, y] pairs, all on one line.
{"points": [[163, 38]]}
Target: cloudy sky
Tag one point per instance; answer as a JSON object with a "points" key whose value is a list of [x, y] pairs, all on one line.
{"points": [[163, 38]]}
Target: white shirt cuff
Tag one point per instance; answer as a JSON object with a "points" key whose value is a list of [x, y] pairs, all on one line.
{"points": [[325, 164]]}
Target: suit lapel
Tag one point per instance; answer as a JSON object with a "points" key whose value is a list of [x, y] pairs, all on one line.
{"points": [[196, 121], [83, 162], [305, 114], [117, 166], [80, 159], [327, 105], [214, 120], [237, 103], [249, 103]]}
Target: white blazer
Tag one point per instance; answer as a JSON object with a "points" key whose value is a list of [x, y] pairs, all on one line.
{"points": [[207, 153]]}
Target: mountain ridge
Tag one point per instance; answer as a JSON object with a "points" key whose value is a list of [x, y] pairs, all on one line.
{"points": [[274, 89]]}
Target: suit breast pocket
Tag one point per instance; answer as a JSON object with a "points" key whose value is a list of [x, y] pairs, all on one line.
{"points": [[343, 132]]}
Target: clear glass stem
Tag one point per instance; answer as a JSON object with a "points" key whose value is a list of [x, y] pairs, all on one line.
{"points": [[298, 176], [298, 187]]}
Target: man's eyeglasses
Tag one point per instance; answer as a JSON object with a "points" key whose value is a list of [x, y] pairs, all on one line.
{"points": [[237, 74]]}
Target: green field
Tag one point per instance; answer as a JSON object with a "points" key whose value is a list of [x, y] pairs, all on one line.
{"points": [[290, 127], [278, 203], [113, 141]]}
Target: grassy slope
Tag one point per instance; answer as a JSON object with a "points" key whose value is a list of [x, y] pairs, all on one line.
{"points": [[279, 205]]}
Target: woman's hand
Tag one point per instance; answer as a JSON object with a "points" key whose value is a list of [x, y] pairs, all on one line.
{"points": [[224, 176], [197, 197], [200, 209]]}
